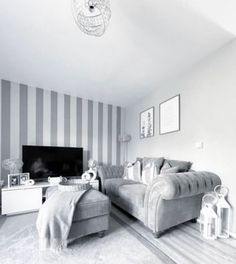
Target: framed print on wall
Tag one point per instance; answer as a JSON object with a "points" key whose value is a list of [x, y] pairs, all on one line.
{"points": [[169, 112], [146, 125]]}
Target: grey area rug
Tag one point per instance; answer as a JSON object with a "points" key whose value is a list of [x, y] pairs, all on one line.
{"points": [[122, 244]]}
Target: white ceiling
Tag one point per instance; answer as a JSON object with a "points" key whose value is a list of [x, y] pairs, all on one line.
{"points": [[147, 42]]}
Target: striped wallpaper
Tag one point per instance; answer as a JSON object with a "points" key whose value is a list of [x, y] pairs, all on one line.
{"points": [[35, 116]]}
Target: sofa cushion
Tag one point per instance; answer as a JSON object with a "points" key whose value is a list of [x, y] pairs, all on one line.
{"points": [[183, 166], [133, 194], [92, 204], [166, 168], [151, 168], [133, 171], [112, 185]]}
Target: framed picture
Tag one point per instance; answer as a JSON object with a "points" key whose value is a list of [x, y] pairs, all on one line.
{"points": [[169, 119], [13, 179], [24, 177], [147, 123]]}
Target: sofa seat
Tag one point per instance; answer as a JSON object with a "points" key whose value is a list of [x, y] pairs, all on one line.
{"points": [[127, 194], [133, 194], [112, 186]]}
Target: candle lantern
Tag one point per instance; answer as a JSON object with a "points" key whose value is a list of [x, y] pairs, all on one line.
{"points": [[208, 217], [223, 211]]}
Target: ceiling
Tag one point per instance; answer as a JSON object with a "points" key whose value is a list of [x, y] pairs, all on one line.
{"points": [[146, 43]]}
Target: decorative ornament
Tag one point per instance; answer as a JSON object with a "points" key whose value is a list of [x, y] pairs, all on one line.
{"points": [[223, 211], [56, 180], [92, 16], [92, 164], [30, 182], [91, 173], [74, 185], [208, 217], [13, 165]]}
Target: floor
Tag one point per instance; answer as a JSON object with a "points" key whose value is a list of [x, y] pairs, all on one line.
{"points": [[19, 245], [180, 245]]}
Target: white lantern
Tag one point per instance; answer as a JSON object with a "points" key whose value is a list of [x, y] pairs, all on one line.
{"points": [[208, 217], [223, 211]]}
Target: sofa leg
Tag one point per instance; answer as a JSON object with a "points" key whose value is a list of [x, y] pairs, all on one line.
{"points": [[101, 234], [194, 220], [157, 234]]}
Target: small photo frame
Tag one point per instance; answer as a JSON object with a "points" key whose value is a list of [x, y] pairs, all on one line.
{"points": [[146, 125], [13, 179], [24, 177]]}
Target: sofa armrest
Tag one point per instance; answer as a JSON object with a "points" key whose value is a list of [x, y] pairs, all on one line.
{"points": [[109, 172], [175, 186]]}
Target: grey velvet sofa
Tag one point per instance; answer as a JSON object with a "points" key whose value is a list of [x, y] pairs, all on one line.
{"points": [[168, 200]]}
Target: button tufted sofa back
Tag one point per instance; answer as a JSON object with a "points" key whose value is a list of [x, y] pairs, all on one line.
{"points": [[108, 172], [179, 185]]}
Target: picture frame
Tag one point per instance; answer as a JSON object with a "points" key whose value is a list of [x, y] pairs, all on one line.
{"points": [[169, 115], [13, 180], [146, 124], [24, 177]]}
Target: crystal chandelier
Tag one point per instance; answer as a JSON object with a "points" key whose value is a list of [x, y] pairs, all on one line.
{"points": [[92, 16]]}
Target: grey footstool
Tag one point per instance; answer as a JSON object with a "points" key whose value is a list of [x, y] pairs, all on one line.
{"points": [[91, 215]]}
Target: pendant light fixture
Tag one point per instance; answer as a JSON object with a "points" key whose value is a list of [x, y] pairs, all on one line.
{"points": [[92, 16]]}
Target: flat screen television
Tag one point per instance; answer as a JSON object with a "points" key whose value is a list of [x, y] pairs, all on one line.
{"points": [[44, 161]]}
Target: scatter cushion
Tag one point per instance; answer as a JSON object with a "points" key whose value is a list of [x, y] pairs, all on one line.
{"points": [[133, 171], [168, 169], [137, 171], [151, 168], [158, 163], [183, 166]]}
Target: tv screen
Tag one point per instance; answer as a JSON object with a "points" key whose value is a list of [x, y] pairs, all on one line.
{"points": [[43, 162]]}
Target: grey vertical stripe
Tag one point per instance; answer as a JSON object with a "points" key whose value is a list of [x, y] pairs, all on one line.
{"points": [[5, 126], [100, 132], [39, 116], [90, 129], [39, 131], [118, 127], [67, 120], [79, 122], [23, 116], [53, 118], [109, 135]]}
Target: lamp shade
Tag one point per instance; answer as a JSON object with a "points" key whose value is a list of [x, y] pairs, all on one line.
{"points": [[92, 16]]}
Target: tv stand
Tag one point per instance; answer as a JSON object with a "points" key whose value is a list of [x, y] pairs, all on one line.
{"points": [[23, 198], [27, 198]]}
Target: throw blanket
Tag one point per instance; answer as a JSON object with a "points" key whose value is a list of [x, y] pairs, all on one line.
{"points": [[55, 219]]}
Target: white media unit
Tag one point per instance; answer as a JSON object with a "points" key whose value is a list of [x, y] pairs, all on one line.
{"points": [[27, 198]]}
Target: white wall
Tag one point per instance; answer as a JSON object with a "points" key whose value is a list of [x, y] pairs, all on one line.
{"points": [[208, 114]]}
